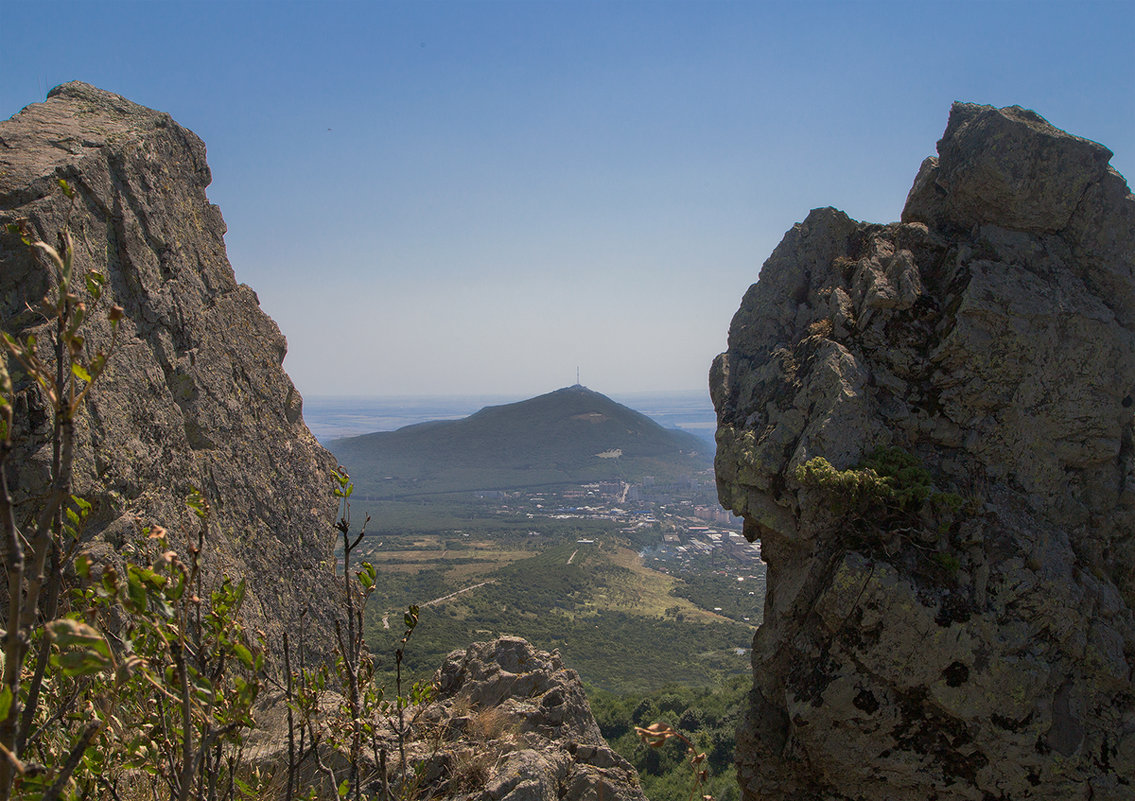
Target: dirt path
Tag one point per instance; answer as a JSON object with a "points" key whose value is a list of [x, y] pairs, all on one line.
{"points": [[454, 594], [572, 557], [386, 615]]}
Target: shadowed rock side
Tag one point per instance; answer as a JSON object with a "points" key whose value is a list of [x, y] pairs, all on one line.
{"points": [[195, 395], [990, 334]]}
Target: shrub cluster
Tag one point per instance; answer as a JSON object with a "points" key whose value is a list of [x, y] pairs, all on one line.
{"points": [[139, 679]]}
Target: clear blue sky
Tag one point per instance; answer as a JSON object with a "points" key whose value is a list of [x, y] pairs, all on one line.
{"points": [[478, 197]]}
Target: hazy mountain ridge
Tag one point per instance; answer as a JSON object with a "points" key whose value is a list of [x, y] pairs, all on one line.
{"points": [[571, 434]]}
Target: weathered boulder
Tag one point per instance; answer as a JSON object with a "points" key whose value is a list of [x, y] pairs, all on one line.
{"points": [[195, 395], [508, 722], [520, 729], [975, 642]]}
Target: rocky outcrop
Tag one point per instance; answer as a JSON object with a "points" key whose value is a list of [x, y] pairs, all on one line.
{"points": [[195, 395], [959, 628], [508, 723], [520, 729]]}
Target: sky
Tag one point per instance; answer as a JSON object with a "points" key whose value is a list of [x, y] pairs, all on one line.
{"points": [[456, 198]]}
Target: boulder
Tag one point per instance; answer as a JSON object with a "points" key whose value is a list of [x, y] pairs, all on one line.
{"points": [[521, 729], [506, 722], [978, 642]]}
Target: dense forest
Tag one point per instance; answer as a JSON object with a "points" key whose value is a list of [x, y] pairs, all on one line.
{"points": [[707, 715]]}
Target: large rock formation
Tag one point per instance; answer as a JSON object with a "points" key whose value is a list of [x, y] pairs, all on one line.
{"points": [[195, 396], [964, 632]]}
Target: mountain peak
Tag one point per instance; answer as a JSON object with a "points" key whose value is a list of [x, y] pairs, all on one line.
{"points": [[552, 438]]}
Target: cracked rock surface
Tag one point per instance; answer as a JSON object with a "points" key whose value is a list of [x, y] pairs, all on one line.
{"points": [[194, 395], [987, 653], [509, 722], [519, 728]]}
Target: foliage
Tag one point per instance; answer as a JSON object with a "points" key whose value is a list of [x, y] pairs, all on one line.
{"points": [[171, 673], [657, 734], [35, 555], [906, 478], [707, 716], [360, 714], [889, 500], [137, 673], [742, 601], [889, 481], [138, 677], [856, 490]]}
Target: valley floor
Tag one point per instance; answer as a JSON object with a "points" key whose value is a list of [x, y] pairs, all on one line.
{"points": [[602, 584]]}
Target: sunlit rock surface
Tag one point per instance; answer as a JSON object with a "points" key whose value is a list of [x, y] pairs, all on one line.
{"points": [[195, 395], [991, 334], [509, 722], [521, 724]]}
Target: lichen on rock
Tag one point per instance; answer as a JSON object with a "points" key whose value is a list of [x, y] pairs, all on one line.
{"points": [[987, 652]]}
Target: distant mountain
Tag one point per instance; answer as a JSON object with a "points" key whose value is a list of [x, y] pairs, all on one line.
{"points": [[570, 435]]}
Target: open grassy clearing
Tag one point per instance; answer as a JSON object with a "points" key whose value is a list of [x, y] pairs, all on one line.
{"points": [[472, 572], [622, 582], [654, 589], [404, 567], [456, 515], [587, 593], [468, 563]]}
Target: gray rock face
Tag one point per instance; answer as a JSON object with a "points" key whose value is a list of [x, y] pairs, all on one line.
{"points": [[518, 728], [195, 395], [508, 722], [984, 653]]}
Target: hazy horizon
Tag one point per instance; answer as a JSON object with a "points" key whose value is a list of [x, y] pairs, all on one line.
{"points": [[501, 395], [479, 197], [336, 416]]}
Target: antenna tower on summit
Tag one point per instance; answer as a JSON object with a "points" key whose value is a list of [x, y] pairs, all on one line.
{"points": [[577, 376]]}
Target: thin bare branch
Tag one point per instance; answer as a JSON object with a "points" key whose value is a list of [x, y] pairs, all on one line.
{"points": [[88, 733]]}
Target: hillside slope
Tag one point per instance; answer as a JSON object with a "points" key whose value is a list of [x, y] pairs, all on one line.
{"points": [[570, 435]]}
